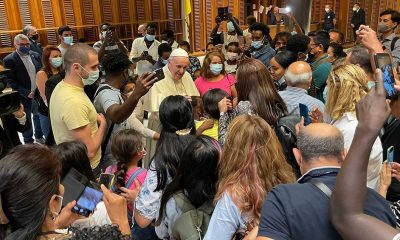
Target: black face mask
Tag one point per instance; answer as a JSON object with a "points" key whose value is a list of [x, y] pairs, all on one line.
{"points": [[35, 37]]}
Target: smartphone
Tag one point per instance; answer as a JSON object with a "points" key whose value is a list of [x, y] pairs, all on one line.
{"points": [[223, 13], [107, 180], [384, 62], [305, 114], [74, 183], [217, 38], [87, 201], [390, 154], [159, 74]]}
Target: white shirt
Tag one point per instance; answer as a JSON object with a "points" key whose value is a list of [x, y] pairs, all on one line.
{"points": [[30, 68], [138, 47], [62, 50], [347, 125], [174, 45]]}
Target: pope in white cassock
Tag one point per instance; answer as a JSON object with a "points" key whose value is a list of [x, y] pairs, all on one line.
{"points": [[176, 82]]}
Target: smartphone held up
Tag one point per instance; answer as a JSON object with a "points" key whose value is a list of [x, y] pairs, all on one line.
{"points": [[384, 62]]}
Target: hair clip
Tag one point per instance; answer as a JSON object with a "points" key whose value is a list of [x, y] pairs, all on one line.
{"points": [[3, 218], [183, 132]]}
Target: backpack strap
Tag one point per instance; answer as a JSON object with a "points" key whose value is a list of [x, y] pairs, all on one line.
{"points": [[393, 44], [133, 177], [182, 202], [321, 186]]}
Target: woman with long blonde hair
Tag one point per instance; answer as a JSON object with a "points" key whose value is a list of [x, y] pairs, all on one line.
{"points": [[252, 163], [346, 86]]}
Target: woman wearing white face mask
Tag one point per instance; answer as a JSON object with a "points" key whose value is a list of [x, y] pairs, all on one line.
{"points": [[213, 75], [52, 63], [232, 55]]}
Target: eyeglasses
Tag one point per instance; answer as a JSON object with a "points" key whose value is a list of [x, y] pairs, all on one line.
{"points": [[23, 45]]}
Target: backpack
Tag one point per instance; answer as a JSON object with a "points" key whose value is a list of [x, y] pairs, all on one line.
{"points": [[128, 185], [393, 43], [286, 133], [193, 223]]}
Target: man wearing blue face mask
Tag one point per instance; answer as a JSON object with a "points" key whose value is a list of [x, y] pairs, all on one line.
{"points": [[24, 64], [164, 51], [109, 41], [72, 114], [66, 38], [234, 30], [144, 51], [260, 48]]}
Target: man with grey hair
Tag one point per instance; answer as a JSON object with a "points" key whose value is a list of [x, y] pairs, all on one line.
{"points": [[24, 64], [142, 30], [33, 35], [301, 210], [361, 57], [72, 114], [298, 78]]}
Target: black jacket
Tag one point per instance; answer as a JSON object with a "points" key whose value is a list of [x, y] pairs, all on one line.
{"points": [[18, 77], [358, 18], [9, 133], [36, 47]]}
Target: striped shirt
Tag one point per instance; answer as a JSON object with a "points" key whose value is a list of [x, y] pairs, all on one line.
{"points": [[293, 96]]}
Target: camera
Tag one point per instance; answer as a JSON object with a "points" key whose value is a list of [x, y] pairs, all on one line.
{"points": [[9, 101]]}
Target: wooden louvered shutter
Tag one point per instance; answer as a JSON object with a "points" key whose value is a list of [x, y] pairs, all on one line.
{"points": [[349, 36], [196, 25], [88, 19], [106, 10], [69, 17], [125, 31], [170, 14], [5, 39], [209, 18], [24, 12], [156, 11], [316, 11], [140, 13], [242, 14], [49, 22]]}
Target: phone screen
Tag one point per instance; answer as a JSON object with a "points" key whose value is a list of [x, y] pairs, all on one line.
{"points": [[304, 113], [384, 62], [88, 201], [390, 154], [107, 180]]}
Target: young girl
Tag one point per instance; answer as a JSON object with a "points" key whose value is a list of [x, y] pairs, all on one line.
{"points": [[209, 126], [232, 54], [127, 148], [213, 75]]}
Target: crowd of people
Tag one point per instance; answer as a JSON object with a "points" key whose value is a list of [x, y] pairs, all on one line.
{"points": [[210, 147]]}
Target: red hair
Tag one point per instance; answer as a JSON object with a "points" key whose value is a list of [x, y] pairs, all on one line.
{"points": [[46, 65]]}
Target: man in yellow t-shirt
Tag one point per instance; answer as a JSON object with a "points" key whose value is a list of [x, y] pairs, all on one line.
{"points": [[72, 114]]}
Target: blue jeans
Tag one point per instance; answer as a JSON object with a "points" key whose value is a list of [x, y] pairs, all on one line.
{"points": [[44, 125], [30, 109]]}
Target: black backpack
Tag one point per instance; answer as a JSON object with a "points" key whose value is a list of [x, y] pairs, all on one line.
{"points": [[286, 133]]}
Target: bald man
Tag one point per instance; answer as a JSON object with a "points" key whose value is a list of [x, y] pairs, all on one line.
{"points": [[298, 78], [142, 30], [301, 210], [176, 82]]}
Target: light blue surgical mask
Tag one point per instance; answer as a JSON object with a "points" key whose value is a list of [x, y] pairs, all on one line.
{"points": [[93, 76], [150, 38], [165, 62], [230, 27], [256, 44], [325, 93], [68, 40], [216, 68], [56, 62]]}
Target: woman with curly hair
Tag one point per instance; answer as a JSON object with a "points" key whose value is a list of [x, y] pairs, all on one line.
{"points": [[246, 174], [346, 86]]}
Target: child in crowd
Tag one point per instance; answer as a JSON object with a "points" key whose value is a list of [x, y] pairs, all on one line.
{"points": [[232, 55], [209, 126], [213, 75], [127, 149]]}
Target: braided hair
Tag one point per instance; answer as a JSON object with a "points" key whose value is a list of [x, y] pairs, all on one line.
{"points": [[124, 146]]}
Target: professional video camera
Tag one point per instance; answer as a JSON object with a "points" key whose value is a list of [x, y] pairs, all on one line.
{"points": [[9, 101]]}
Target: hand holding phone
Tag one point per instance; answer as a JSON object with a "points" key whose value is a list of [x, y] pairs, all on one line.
{"points": [[159, 74], [87, 202], [384, 62], [304, 112]]}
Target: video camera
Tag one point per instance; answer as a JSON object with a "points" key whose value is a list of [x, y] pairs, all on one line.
{"points": [[9, 101]]}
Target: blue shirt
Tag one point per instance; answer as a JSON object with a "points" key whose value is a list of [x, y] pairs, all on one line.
{"points": [[293, 96], [301, 211], [264, 54]]}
